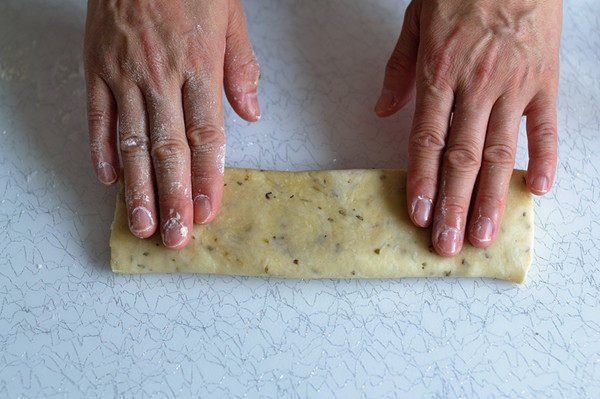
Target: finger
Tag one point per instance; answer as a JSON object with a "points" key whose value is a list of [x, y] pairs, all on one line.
{"points": [[206, 139], [137, 165], [171, 161], [433, 107], [542, 143], [496, 170], [460, 166], [102, 127], [241, 67], [399, 80]]}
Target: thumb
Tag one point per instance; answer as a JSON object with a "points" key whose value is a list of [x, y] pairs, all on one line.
{"points": [[399, 81], [241, 69]]}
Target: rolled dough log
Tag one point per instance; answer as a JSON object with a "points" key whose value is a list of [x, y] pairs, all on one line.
{"points": [[325, 224]]}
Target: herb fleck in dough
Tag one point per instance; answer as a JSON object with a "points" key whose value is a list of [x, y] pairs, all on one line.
{"points": [[325, 224]]}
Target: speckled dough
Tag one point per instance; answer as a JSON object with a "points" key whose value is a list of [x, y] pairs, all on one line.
{"points": [[325, 224]]}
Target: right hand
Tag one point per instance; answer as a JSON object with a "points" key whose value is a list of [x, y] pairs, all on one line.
{"points": [[158, 68], [476, 66]]}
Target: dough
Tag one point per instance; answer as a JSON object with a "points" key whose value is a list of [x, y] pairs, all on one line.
{"points": [[325, 224]]}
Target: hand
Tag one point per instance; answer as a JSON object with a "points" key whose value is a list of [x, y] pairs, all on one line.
{"points": [[477, 67], [158, 68]]}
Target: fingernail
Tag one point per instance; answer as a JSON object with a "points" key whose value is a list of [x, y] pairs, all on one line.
{"points": [[202, 208], [174, 233], [251, 101], [386, 101], [106, 173], [421, 211], [447, 240], [541, 184], [482, 229], [141, 220]]}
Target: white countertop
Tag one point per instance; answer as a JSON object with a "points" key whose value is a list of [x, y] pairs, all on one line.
{"points": [[70, 327]]}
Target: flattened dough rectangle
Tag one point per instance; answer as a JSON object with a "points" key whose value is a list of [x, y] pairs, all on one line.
{"points": [[325, 224]]}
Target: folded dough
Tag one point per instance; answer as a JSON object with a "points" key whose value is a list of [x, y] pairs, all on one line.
{"points": [[325, 224]]}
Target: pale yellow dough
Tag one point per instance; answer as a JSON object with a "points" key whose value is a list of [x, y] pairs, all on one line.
{"points": [[325, 224]]}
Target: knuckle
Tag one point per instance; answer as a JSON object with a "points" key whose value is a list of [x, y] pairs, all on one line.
{"points": [[158, 62], [426, 138], [438, 66], [489, 200], [248, 67], [246, 70], [169, 149], [452, 208], [399, 62], [205, 136], [133, 144], [499, 154], [484, 71], [97, 119], [98, 53], [420, 184], [520, 77], [545, 131], [462, 158]]}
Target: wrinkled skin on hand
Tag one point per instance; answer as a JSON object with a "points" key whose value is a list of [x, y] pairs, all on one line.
{"points": [[476, 66], [156, 69]]}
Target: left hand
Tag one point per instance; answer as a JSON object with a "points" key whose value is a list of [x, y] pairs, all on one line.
{"points": [[477, 67]]}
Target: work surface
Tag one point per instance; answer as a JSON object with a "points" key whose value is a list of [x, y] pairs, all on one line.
{"points": [[69, 325]]}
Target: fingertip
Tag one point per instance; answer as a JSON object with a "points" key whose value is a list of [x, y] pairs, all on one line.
{"points": [[252, 107], [539, 184], [421, 211], [386, 103], [175, 231], [481, 233], [390, 102], [447, 241], [141, 222], [203, 212], [106, 173]]}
